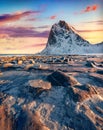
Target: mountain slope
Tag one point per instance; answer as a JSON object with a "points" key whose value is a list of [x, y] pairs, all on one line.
{"points": [[64, 39]]}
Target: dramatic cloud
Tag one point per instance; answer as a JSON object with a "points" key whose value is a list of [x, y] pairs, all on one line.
{"points": [[88, 9], [22, 32], [16, 16]]}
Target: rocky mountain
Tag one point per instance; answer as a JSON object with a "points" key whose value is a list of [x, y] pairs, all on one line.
{"points": [[64, 39]]}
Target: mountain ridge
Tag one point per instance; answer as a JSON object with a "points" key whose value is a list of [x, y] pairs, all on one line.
{"points": [[64, 39]]}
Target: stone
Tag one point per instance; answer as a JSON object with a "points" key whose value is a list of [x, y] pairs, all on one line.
{"points": [[20, 62], [6, 119], [1, 73], [37, 66], [40, 84], [31, 61], [82, 92], [28, 66], [7, 65], [59, 78]]}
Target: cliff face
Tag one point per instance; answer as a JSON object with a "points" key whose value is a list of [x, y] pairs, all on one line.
{"points": [[64, 39]]}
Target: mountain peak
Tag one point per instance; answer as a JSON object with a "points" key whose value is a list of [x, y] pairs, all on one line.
{"points": [[64, 39], [62, 24], [62, 31]]}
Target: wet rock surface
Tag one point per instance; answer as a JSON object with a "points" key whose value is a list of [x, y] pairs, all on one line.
{"points": [[55, 96]]}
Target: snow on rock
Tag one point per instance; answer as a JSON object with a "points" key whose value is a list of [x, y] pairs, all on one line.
{"points": [[64, 39], [58, 108]]}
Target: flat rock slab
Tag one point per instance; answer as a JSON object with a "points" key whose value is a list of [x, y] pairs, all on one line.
{"points": [[7, 65], [40, 84]]}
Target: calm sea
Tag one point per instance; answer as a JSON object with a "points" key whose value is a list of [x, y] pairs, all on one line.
{"points": [[16, 54], [10, 55]]}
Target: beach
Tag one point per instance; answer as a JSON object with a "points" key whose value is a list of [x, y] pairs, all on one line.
{"points": [[51, 92]]}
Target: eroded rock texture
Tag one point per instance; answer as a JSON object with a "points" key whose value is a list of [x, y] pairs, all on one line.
{"points": [[60, 97]]}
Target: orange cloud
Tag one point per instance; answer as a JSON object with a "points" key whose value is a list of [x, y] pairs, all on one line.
{"points": [[53, 17], [95, 7], [88, 9], [16, 16], [91, 8]]}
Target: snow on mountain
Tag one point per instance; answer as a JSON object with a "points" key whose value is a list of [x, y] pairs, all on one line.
{"points": [[64, 39]]}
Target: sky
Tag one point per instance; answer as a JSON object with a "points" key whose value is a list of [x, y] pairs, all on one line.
{"points": [[25, 24]]}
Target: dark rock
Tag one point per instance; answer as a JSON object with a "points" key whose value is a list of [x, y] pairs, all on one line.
{"points": [[59, 78], [88, 64], [100, 71]]}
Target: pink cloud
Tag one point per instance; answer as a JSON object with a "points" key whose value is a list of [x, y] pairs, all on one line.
{"points": [[16, 16], [88, 9], [53, 17], [22, 32]]}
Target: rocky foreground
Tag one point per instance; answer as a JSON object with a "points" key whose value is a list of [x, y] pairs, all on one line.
{"points": [[51, 93]]}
